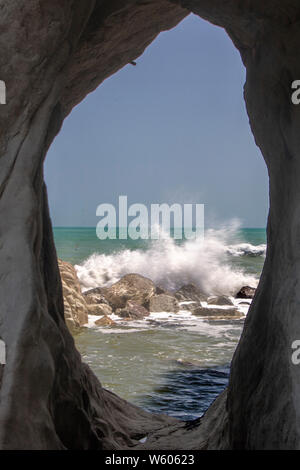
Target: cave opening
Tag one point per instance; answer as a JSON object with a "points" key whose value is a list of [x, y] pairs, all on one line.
{"points": [[50, 399], [53, 56], [172, 127]]}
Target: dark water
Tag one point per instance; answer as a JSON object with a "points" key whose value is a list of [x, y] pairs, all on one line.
{"points": [[187, 393]]}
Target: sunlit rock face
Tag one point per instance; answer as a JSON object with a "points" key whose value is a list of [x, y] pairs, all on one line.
{"points": [[131, 287], [76, 308], [52, 54]]}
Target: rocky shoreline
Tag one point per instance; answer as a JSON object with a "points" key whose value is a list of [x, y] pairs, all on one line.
{"points": [[135, 297]]}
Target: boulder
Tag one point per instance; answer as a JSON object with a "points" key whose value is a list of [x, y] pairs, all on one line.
{"points": [[190, 292], [189, 306], [246, 292], [105, 321], [94, 296], [75, 306], [217, 312], [132, 311], [162, 290], [132, 287], [99, 309], [163, 303], [219, 300]]}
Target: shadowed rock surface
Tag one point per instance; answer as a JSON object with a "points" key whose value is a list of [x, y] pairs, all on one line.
{"points": [[52, 54], [219, 300], [99, 309], [246, 292], [94, 296], [163, 303], [190, 292], [132, 311], [217, 312]]}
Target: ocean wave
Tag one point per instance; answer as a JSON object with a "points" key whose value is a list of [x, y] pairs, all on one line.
{"points": [[246, 249], [171, 265]]}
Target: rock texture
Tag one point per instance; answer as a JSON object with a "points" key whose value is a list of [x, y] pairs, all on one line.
{"points": [[132, 311], [75, 307], [190, 292], [99, 309], [132, 287], [163, 303], [105, 321], [52, 54], [219, 300], [217, 312], [94, 297], [246, 292]]}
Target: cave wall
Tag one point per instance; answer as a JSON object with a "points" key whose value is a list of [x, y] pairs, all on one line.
{"points": [[52, 54]]}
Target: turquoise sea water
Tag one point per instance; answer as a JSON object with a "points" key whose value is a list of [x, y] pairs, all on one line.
{"points": [[171, 363], [75, 244]]}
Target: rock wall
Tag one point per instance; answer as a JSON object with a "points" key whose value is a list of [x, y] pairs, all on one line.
{"points": [[52, 54], [76, 308]]}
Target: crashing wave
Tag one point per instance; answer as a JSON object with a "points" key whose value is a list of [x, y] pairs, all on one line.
{"points": [[246, 249], [171, 265]]}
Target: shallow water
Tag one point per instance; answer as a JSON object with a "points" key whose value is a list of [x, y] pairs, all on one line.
{"points": [[176, 364]]}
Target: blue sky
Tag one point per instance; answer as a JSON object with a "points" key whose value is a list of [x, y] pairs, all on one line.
{"points": [[172, 129]]}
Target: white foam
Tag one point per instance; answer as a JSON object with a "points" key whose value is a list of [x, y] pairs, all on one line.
{"points": [[246, 249], [172, 265], [184, 319]]}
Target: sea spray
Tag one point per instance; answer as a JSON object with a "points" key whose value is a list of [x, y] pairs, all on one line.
{"points": [[171, 264]]}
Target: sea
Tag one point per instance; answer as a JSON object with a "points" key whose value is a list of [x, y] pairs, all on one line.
{"points": [[172, 363]]}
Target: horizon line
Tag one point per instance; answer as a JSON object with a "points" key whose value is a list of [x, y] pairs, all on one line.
{"points": [[94, 227]]}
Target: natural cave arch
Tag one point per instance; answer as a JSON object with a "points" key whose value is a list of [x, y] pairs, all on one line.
{"points": [[53, 54]]}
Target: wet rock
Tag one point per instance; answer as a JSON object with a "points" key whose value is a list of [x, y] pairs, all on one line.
{"points": [[217, 312], [105, 321], [132, 311], [163, 303], [219, 300], [189, 306], [246, 292], [190, 292], [162, 290], [94, 296], [75, 306], [99, 309], [132, 287]]}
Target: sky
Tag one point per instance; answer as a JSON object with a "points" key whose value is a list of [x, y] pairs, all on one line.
{"points": [[172, 129]]}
